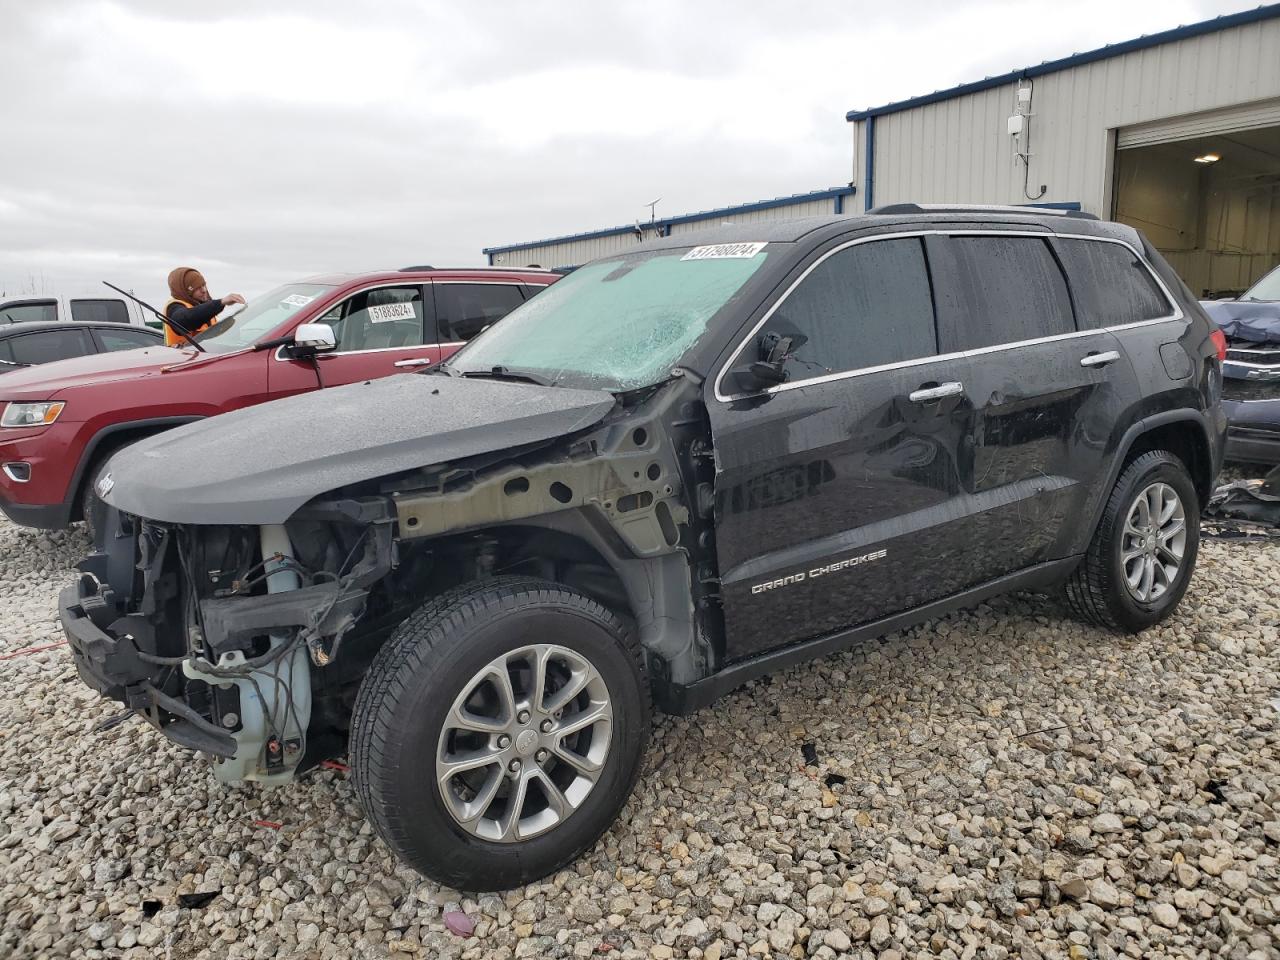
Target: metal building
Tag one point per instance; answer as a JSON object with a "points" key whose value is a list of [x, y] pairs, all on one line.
{"points": [[578, 248], [1177, 133]]}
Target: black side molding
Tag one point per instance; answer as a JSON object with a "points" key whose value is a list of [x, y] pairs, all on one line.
{"points": [[684, 699]]}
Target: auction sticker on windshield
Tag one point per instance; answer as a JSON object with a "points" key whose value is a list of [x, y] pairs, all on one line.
{"points": [[386, 312], [296, 300], [724, 251]]}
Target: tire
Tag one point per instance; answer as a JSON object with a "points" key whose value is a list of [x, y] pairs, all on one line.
{"points": [[1102, 588], [91, 507], [405, 729]]}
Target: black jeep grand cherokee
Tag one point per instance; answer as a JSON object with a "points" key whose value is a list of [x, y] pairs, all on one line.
{"points": [[677, 469]]}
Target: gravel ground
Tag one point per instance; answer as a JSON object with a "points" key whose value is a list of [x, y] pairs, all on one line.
{"points": [[1002, 782]]}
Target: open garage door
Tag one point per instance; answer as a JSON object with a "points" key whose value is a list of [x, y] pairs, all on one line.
{"points": [[1206, 190]]}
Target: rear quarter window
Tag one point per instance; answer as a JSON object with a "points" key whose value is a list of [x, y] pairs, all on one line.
{"points": [[1111, 286]]}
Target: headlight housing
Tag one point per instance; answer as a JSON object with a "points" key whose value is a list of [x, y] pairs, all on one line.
{"points": [[31, 414]]}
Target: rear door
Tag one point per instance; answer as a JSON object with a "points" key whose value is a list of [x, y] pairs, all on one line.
{"points": [[465, 307], [1045, 394], [110, 339], [839, 495]]}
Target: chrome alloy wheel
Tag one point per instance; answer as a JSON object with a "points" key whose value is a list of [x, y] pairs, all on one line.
{"points": [[524, 743], [1155, 535]]}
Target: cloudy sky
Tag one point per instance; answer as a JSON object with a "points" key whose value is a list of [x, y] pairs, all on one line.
{"points": [[264, 142]]}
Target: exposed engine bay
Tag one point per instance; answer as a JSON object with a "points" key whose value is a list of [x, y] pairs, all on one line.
{"points": [[248, 642]]}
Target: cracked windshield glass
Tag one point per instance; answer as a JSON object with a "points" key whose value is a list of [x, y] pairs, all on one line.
{"points": [[617, 325]]}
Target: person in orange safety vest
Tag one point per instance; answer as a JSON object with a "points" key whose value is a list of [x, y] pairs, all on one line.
{"points": [[190, 306]]}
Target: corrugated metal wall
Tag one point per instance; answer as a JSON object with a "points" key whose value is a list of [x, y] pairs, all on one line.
{"points": [[959, 149], [576, 252]]}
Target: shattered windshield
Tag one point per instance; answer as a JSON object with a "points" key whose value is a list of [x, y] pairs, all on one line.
{"points": [[617, 324], [1268, 288], [260, 317]]}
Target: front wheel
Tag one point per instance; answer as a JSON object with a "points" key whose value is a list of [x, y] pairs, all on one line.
{"points": [[1143, 553], [499, 732]]}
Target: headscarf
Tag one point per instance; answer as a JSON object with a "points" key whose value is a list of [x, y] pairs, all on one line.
{"points": [[183, 282]]}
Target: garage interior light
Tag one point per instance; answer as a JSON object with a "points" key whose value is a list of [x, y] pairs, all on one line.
{"points": [[1208, 158]]}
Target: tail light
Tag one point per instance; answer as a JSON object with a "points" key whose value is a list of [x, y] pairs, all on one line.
{"points": [[1220, 341]]}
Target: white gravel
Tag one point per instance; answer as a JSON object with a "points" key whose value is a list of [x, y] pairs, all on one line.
{"points": [[1003, 782]]}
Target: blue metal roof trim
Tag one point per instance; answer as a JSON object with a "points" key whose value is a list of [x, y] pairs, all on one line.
{"points": [[667, 222], [1268, 12]]}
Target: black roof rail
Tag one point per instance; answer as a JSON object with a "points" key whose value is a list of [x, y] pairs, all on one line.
{"points": [[421, 266], [896, 208]]}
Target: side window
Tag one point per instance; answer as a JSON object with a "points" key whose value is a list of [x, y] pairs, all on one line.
{"points": [[112, 340], [994, 290], [380, 319], [1110, 284], [30, 310], [6, 356], [99, 311], [50, 346], [862, 307], [467, 308]]}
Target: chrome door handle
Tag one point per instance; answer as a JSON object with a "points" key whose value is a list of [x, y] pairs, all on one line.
{"points": [[924, 395], [417, 362], [1100, 359]]}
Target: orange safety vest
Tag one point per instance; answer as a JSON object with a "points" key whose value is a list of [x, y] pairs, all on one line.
{"points": [[172, 339]]}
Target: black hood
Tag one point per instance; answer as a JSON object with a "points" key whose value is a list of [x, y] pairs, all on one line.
{"points": [[260, 464]]}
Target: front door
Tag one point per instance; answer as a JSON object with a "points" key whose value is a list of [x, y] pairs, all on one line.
{"points": [[839, 494], [379, 331]]}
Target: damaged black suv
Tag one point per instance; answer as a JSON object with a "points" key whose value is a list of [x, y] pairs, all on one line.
{"points": [[678, 469]]}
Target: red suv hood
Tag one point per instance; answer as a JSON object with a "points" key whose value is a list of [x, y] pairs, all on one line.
{"points": [[47, 380]]}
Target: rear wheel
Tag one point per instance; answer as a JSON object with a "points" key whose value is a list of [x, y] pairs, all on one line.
{"points": [[1143, 553], [499, 732]]}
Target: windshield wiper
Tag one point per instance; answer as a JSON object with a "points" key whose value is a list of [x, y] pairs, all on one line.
{"points": [[506, 373]]}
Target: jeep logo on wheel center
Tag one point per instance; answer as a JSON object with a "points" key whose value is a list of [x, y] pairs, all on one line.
{"points": [[640, 488]]}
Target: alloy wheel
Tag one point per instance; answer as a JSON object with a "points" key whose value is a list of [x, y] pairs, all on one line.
{"points": [[1152, 545], [524, 743]]}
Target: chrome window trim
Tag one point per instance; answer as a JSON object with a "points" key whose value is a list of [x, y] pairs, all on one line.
{"points": [[862, 371]]}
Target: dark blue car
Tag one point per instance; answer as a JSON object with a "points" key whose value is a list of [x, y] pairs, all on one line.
{"points": [[1251, 372]]}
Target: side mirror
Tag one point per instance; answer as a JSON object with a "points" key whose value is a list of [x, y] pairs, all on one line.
{"points": [[769, 370], [314, 338]]}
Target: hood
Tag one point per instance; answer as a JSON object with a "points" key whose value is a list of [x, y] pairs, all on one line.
{"points": [[260, 464], [1237, 316], [46, 380]]}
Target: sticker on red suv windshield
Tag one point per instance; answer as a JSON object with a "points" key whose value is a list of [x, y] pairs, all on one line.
{"points": [[386, 312], [724, 251], [296, 300]]}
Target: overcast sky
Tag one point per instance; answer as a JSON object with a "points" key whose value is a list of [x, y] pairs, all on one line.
{"points": [[265, 142]]}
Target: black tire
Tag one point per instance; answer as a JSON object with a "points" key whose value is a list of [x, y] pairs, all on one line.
{"points": [[410, 688], [1097, 591], [92, 508]]}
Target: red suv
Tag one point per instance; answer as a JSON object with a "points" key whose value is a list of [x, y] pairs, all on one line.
{"points": [[61, 421]]}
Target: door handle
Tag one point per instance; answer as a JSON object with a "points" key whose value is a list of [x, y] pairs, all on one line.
{"points": [[1100, 359], [416, 362], [926, 394]]}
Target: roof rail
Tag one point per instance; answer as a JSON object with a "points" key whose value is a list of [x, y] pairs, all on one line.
{"points": [[893, 208], [479, 269]]}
